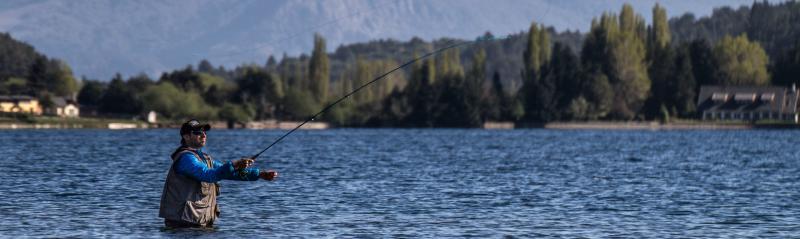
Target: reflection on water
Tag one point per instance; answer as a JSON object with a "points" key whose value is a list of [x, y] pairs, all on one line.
{"points": [[404, 183]]}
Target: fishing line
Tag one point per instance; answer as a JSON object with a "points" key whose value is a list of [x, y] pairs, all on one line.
{"points": [[484, 38], [313, 117]]}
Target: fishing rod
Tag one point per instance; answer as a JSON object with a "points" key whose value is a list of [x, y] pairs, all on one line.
{"points": [[313, 117]]}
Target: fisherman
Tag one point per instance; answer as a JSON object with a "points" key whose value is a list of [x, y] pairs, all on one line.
{"points": [[190, 191]]}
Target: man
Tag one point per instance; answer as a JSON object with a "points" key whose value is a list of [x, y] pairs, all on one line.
{"points": [[190, 192]]}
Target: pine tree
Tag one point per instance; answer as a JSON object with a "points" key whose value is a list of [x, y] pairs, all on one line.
{"points": [[683, 96], [787, 67], [118, 99], [205, 66], [704, 66]]}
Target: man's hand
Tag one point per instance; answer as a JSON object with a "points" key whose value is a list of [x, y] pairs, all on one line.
{"points": [[268, 175], [242, 163]]}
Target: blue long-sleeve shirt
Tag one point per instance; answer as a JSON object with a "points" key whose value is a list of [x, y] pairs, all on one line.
{"points": [[189, 165]]}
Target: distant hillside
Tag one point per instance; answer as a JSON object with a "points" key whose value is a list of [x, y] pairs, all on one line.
{"points": [[775, 26], [24, 71], [16, 58], [101, 38]]}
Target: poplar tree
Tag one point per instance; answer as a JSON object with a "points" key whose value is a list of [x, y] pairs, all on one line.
{"points": [[456, 103], [659, 35], [450, 63], [475, 80], [474, 85], [363, 74], [629, 71], [614, 57], [661, 68], [385, 86], [537, 53], [319, 70], [421, 94], [537, 50]]}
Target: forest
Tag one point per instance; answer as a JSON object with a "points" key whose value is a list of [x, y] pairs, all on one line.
{"points": [[621, 70]]}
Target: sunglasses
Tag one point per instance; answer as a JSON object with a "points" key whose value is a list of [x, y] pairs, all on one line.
{"points": [[198, 132]]}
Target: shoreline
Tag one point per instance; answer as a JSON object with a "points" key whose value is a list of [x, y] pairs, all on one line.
{"points": [[117, 125], [648, 126], [595, 125]]}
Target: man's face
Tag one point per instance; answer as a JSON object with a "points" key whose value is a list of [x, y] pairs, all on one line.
{"points": [[195, 139]]}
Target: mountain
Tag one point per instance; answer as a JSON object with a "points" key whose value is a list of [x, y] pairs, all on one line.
{"points": [[100, 38]]}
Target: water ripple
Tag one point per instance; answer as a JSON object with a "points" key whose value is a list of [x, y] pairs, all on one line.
{"points": [[410, 183]]}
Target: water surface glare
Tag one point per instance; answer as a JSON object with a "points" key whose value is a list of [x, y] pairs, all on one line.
{"points": [[415, 182]]}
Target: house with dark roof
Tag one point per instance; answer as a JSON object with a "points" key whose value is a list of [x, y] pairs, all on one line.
{"points": [[748, 103], [63, 107]]}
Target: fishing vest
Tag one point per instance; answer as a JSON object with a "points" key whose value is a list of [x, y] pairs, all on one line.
{"points": [[186, 199]]}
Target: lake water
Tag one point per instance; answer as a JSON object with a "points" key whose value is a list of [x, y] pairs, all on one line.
{"points": [[407, 183]]}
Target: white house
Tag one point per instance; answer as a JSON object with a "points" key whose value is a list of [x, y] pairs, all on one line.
{"points": [[64, 108], [151, 117]]}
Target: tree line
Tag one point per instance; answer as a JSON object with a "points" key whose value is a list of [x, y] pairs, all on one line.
{"points": [[23, 71], [622, 69]]}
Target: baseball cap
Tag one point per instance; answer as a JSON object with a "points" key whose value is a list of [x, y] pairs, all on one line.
{"points": [[194, 125]]}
